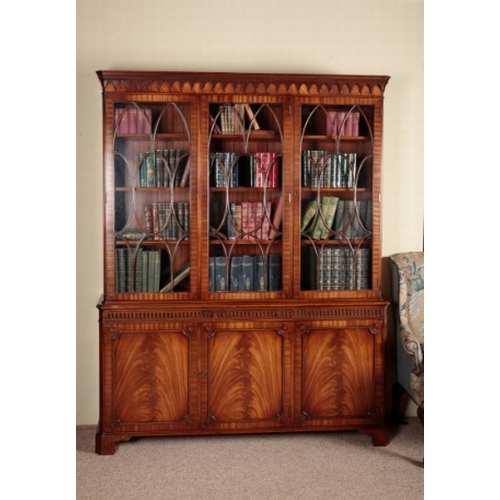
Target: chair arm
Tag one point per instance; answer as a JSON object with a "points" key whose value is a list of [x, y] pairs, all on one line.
{"points": [[415, 349]]}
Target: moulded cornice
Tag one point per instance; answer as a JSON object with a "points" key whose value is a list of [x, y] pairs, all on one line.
{"points": [[241, 83]]}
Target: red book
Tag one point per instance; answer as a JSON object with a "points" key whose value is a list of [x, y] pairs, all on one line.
{"points": [[258, 219], [331, 123], [245, 225], [266, 223], [341, 119], [132, 120], [260, 169], [355, 123], [274, 178], [143, 125], [121, 121]]}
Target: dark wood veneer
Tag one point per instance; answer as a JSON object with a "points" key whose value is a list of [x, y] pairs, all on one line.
{"points": [[193, 361]]}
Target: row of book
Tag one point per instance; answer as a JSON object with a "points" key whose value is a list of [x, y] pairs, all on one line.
{"points": [[251, 220], [164, 168], [334, 217], [327, 169], [167, 220], [245, 273], [234, 119], [139, 274], [335, 268], [232, 169], [342, 123], [144, 271], [132, 120]]}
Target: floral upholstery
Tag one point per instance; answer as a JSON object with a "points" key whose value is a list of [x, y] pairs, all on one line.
{"points": [[407, 275]]}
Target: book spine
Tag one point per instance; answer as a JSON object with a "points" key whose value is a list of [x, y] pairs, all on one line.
{"points": [[221, 281], [138, 270], [148, 218], [236, 276], [277, 218], [247, 273], [211, 274], [274, 272], [150, 170], [259, 279], [331, 123], [186, 173], [141, 158]]}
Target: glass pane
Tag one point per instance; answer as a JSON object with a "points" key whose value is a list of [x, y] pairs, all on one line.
{"points": [[152, 146], [336, 197], [245, 197]]}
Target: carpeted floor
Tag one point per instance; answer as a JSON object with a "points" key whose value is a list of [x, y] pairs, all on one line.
{"points": [[307, 466]]}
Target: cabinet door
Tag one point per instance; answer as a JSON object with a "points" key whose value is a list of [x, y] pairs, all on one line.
{"points": [[246, 176], [248, 369], [150, 178], [339, 374], [148, 382], [339, 203]]}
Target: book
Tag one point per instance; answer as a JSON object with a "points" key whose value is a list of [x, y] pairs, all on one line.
{"points": [[341, 122], [185, 175], [253, 120], [274, 272], [246, 223], [247, 273], [150, 169], [144, 121], [156, 270], [277, 217], [330, 203], [138, 270], [121, 121], [324, 219], [142, 169], [181, 275], [211, 274], [235, 274], [309, 215], [352, 124], [331, 122], [148, 218], [347, 220], [159, 168], [221, 281], [151, 271], [339, 219], [317, 226], [274, 180], [145, 261], [231, 222], [259, 279]]}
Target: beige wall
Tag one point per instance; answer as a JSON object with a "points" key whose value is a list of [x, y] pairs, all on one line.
{"points": [[318, 36]]}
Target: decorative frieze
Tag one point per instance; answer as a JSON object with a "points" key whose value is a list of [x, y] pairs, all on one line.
{"points": [[247, 83]]}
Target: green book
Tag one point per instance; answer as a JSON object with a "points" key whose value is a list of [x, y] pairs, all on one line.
{"points": [[319, 228], [329, 208], [309, 214]]}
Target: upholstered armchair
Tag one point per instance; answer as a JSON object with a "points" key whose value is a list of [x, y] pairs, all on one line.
{"points": [[407, 285]]}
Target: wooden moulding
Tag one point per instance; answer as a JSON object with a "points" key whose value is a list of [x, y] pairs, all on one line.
{"points": [[237, 83]]}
